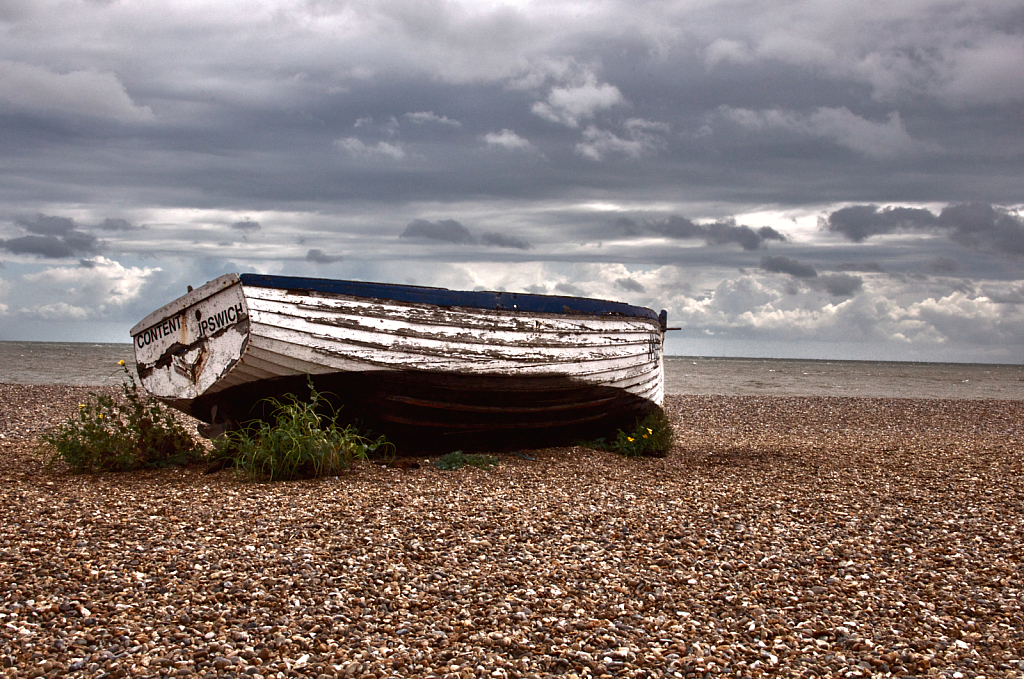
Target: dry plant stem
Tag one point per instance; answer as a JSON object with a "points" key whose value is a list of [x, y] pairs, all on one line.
{"points": [[780, 537]]}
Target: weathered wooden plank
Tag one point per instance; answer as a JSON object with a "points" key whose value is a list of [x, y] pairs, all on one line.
{"points": [[453, 370], [445, 317]]}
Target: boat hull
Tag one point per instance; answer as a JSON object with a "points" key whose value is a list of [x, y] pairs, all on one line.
{"points": [[429, 375]]}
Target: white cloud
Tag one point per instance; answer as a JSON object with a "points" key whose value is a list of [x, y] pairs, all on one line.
{"points": [[962, 317], [886, 312], [572, 104], [354, 147], [722, 50], [97, 286], [58, 311], [877, 140], [91, 93], [423, 117], [5, 287], [508, 139], [643, 137]]}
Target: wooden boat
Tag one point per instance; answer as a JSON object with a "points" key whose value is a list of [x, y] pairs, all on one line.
{"points": [[431, 368]]}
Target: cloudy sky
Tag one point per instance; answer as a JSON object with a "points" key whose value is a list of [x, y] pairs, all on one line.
{"points": [[813, 178]]}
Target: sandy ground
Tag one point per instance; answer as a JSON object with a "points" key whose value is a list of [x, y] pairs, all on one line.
{"points": [[782, 537]]}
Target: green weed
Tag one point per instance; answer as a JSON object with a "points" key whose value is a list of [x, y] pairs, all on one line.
{"points": [[121, 434], [301, 442], [651, 436], [458, 460]]}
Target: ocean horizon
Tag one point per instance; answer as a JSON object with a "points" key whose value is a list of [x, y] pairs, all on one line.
{"points": [[96, 364]]}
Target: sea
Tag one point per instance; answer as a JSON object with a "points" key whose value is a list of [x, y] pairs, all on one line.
{"points": [[80, 363]]}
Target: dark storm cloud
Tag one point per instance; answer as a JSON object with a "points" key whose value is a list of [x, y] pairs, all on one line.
{"points": [[722, 232], [452, 231], [80, 241], [763, 108], [45, 246], [318, 256], [840, 284], [246, 225], [859, 222], [835, 284], [501, 240], [46, 225], [570, 289], [984, 226], [52, 237], [445, 230], [629, 284], [780, 264], [976, 225], [113, 224]]}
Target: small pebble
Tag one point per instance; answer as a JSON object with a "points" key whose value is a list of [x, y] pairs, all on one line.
{"points": [[780, 537]]}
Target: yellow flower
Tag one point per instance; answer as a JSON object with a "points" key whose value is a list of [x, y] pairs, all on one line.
{"points": [[629, 438], [101, 416], [649, 431], [645, 435], [81, 405], [121, 362]]}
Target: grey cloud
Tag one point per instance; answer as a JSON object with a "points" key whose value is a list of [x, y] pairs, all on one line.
{"points": [[780, 264], [1005, 294], [318, 256], [873, 267], [722, 232], [112, 224], [840, 284], [629, 226], [247, 225], [570, 289], [629, 284], [503, 241], [452, 231], [445, 230], [859, 222], [80, 241], [976, 225], [53, 237], [45, 225], [984, 226], [422, 117], [46, 246], [943, 265]]}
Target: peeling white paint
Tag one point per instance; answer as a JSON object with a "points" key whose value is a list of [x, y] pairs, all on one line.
{"points": [[276, 333]]}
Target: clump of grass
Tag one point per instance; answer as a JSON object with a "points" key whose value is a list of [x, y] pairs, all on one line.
{"points": [[458, 460], [301, 443], [651, 436], [121, 434]]}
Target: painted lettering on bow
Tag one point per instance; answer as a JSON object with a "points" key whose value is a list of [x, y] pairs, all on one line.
{"points": [[221, 319], [194, 329], [157, 332]]}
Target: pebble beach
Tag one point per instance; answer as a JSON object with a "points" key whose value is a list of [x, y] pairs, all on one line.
{"points": [[783, 536]]}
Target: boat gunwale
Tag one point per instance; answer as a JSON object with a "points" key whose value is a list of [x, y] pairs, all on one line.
{"points": [[187, 300], [510, 302]]}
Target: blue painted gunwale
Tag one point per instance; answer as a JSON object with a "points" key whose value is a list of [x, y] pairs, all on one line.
{"points": [[415, 294]]}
